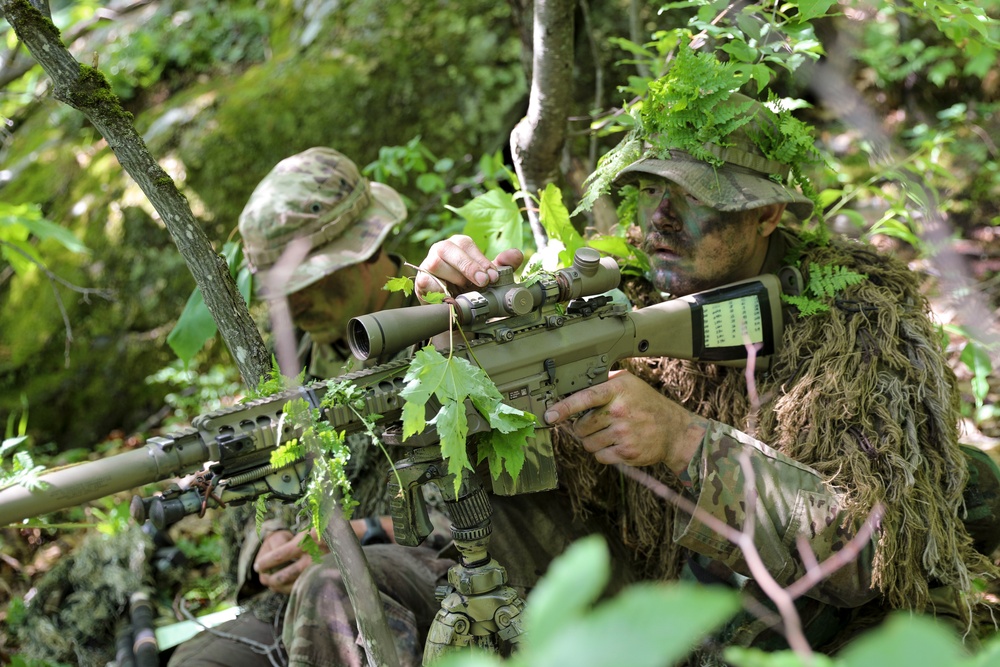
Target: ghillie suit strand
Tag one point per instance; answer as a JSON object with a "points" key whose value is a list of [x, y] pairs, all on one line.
{"points": [[862, 394]]}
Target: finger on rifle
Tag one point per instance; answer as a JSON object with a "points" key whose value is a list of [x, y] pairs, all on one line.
{"points": [[511, 257], [458, 261], [279, 555], [581, 401]]}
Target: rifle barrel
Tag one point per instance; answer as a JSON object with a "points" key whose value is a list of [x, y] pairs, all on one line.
{"points": [[71, 485]]}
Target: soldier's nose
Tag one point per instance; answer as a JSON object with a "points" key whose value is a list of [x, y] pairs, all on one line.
{"points": [[665, 218]]}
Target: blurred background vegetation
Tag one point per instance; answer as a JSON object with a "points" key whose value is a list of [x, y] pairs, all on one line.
{"points": [[426, 94]]}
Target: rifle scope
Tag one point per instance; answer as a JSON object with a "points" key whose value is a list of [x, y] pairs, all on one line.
{"points": [[390, 331]]}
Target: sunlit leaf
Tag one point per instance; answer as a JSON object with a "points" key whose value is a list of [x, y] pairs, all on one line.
{"points": [[902, 641], [494, 222]]}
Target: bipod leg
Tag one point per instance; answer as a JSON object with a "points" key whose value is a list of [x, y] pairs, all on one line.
{"points": [[478, 608]]}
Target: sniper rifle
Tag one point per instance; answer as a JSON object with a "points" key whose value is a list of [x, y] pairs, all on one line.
{"points": [[538, 342]]}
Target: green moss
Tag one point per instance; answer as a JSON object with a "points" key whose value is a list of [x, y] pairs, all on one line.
{"points": [[93, 92], [23, 15]]}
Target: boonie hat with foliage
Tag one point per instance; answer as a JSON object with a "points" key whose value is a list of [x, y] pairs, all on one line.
{"points": [[319, 196], [730, 151]]}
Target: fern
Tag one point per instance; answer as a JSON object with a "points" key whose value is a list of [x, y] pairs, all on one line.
{"points": [[23, 471], [806, 305], [825, 282], [689, 109], [260, 511], [274, 383]]}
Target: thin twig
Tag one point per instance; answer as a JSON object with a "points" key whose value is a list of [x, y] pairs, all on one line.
{"points": [[272, 651], [53, 280], [782, 597]]}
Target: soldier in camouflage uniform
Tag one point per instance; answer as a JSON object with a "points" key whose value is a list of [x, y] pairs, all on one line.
{"points": [[319, 200], [858, 407]]}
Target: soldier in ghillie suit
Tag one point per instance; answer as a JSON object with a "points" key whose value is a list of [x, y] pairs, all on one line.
{"points": [[319, 201], [857, 409]]}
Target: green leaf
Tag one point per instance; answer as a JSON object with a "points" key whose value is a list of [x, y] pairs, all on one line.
{"points": [[505, 451], [193, 328], [453, 429], [554, 217], [10, 443], [653, 624], [505, 418], [977, 360], [425, 374], [740, 50], [402, 284], [626, 253], [469, 657], [740, 656], [453, 381], [494, 222], [902, 641], [429, 183], [989, 656], [434, 297], [196, 326], [573, 582], [29, 216], [18, 255], [811, 9]]}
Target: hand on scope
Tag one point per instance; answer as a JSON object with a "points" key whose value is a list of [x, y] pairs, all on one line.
{"points": [[624, 420], [458, 263]]}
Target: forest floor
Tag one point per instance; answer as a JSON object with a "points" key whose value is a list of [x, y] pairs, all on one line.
{"points": [[28, 554]]}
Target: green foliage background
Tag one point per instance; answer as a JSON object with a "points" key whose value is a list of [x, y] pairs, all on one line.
{"points": [[426, 94]]}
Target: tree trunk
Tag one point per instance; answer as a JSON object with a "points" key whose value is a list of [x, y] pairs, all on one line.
{"points": [[85, 89], [536, 142]]}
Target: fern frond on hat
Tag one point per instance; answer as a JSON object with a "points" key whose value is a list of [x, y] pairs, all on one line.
{"points": [[694, 128]]}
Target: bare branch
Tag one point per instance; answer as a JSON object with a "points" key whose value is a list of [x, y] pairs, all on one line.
{"points": [[537, 140]]}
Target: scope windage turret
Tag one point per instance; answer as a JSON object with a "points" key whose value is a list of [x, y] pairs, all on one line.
{"points": [[390, 331]]}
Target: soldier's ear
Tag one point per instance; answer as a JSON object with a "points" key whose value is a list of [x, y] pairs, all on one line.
{"points": [[768, 218]]}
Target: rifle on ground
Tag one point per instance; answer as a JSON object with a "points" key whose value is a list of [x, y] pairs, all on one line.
{"points": [[538, 342]]}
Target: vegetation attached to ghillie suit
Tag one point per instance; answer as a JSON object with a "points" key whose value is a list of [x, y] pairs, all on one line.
{"points": [[860, 389], [873, 353], [692, 109], [74, 614]]}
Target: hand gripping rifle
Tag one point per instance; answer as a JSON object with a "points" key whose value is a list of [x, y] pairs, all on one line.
{"points": [[537, 341]]}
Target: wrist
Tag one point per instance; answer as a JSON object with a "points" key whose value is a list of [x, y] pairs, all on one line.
{"points": [[680, 455]]}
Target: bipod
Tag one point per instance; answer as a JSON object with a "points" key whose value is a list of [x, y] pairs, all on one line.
{"points": [[478, 608]]}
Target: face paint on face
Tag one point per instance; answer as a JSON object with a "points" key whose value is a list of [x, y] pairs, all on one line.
{"points": [[324, 308], [691, 246]]}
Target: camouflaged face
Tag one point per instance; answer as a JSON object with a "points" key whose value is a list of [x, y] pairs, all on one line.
{"points": [[319, 200]]}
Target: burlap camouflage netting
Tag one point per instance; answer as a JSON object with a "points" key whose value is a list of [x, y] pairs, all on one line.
{"points": [[863, 395]]}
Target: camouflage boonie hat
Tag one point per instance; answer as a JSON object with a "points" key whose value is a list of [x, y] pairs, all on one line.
{"points": [[320, 196], [743, 183]]}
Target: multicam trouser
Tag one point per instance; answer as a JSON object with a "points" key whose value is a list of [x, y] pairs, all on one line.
{"points": [[322, 629]]}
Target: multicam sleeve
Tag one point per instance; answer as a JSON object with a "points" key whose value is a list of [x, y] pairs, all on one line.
{"points": [[791, 499]]}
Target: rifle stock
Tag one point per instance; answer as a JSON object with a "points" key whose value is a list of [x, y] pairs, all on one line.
{"points": [[533, 345]]}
